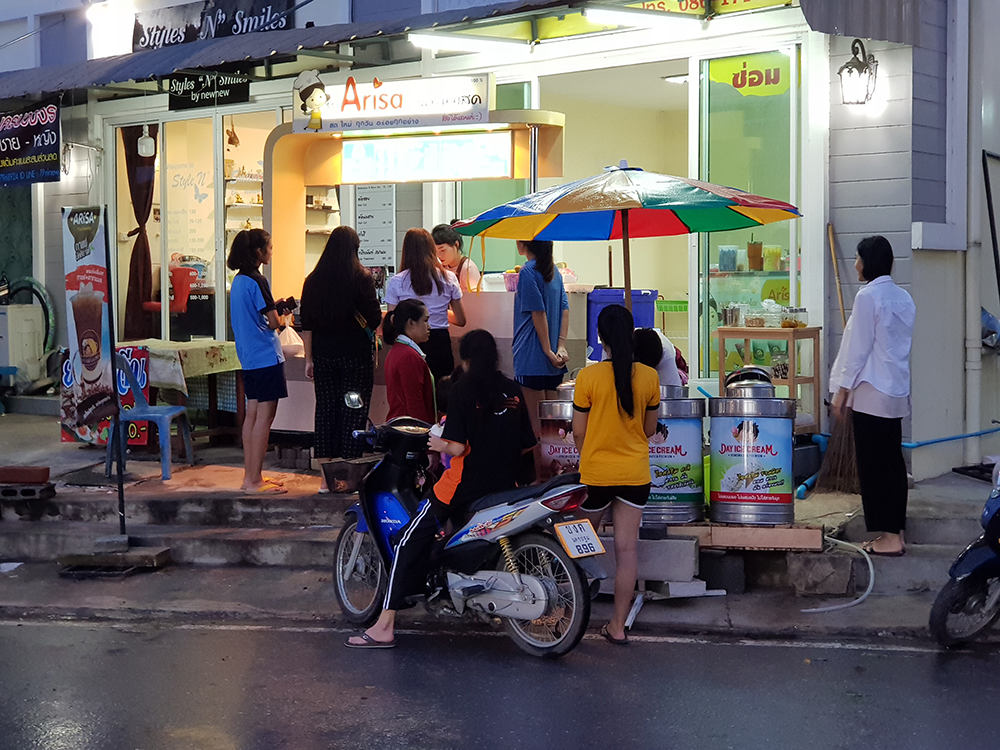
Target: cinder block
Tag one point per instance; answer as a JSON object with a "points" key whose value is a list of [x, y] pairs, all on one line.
{"points": [[825, 573], [673, 559], [114, 543]]}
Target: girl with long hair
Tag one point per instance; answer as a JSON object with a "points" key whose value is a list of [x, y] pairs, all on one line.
{"points": [[448, 244], [487, 434], [255, 323], [541, 324], [408, 382], [422, 277], [615, 405], [338, 310]]}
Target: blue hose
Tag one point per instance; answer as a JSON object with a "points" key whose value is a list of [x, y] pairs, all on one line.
{"points": [[922, 443], [704, 393]]}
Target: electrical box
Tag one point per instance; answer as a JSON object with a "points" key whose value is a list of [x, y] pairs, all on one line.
{"points": [[22, 332]]}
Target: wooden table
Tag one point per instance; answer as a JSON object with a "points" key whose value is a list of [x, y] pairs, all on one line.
{"points": [[791, 336]]}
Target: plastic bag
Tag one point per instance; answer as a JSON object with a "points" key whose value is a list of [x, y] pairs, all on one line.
{"points": [[291, 342]]}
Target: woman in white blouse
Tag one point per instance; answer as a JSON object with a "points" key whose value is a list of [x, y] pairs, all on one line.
{"points": [[871, 376]]}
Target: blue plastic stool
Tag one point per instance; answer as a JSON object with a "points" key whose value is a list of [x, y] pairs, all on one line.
{"points": [[161, 416]]}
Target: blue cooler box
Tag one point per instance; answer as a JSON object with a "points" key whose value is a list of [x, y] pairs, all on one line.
{"points": [[643, 310]]}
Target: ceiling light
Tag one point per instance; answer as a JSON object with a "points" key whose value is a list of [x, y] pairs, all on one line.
{"points": [[146, 146], [682, 78], [857, 75], [634, 17], [465, 43]]}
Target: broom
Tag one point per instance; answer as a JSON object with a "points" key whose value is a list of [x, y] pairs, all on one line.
{"points": [[839, 471]]}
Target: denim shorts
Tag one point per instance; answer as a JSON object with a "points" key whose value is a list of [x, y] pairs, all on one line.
{"points": [[266, 383]]}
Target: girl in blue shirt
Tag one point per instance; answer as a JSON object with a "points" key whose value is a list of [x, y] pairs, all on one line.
{"points": [[255, 323]]}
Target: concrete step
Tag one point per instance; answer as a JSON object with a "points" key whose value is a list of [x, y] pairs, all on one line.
{"points": [[46, 406], [42, 541], [924, 567], [934, 530]]}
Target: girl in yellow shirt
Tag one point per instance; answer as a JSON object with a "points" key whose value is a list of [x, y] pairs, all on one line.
{"points": [[615, 408]]}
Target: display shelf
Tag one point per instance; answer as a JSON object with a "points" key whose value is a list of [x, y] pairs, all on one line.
{"points": [[244, 180], [759, 274], [320, 230], [791, 336], [244, 205], [322, 208]]}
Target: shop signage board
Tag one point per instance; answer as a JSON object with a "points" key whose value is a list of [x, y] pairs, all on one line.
{"points": [[697, 7], [88, 398], [209, 19], [29, 145], [765, 74], [322, 106], [432, 158], [190, 90], [138, 432], [375, 221]]}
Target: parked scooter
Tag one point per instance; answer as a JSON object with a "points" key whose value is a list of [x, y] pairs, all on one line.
{"points": [[970, 602], [522, 556]]}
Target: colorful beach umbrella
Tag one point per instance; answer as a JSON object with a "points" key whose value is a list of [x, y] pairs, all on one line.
{"points": [[625, 202]]}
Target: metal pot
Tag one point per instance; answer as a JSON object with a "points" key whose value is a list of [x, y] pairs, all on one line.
{"points": [[749, 381]]}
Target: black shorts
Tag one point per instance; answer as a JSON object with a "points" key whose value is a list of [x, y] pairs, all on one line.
{"points": [[266, 383], [540, 382], [599, 498]]}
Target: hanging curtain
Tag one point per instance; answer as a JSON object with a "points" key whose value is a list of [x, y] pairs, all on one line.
{"points": [[141, 173]]}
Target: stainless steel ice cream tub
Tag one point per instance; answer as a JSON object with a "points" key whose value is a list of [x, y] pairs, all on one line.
{"points": [[676, 468]]}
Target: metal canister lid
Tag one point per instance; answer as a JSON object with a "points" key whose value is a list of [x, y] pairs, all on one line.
{"points": [[564, 391], [750, 389], [555, 410], [779, 408], [682, 408], [673, 391]]}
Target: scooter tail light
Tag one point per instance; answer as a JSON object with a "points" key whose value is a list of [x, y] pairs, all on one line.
{"points": [[568, 501]]}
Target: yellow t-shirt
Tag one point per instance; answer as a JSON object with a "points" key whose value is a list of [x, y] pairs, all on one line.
{"points": [[615, 448]]}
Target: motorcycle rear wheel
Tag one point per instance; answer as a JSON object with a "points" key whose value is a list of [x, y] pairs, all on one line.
{"points": [[360, 590], [560, 629], [960, 612]]}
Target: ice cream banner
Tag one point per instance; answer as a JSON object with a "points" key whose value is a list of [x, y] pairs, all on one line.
{"points": [[85, 257], [559, 452], [137, 358], [676, 469], [751, 460]]}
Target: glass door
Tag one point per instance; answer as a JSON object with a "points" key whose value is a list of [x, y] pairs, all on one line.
{"points": [[748, 140]]}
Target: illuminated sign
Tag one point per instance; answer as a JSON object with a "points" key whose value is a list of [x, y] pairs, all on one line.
{"points": [[436, 158], [766, 74], [372, 105], [698, 6]]}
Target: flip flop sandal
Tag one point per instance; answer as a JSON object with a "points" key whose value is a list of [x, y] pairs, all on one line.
{"points": [[267, 488], [611, 639], [869, 547], [369, 642], [274, 480]]}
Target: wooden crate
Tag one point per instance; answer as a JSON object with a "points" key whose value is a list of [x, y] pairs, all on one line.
{"points": [[793, 537]]}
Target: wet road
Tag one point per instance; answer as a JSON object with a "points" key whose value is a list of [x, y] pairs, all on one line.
{"points": [[146, 687]]}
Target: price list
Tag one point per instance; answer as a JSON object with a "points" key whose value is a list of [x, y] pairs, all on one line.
{"points": [[375, 212]]}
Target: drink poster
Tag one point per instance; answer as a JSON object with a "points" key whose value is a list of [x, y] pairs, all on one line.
{"points": [[89, 398], [137, 358]]}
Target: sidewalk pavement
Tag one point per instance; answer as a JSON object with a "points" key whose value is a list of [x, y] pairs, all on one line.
{"points": [[298, 597]]}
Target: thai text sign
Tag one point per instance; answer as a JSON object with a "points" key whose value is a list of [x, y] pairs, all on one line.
{"points": [[766, 74], [375, 220], [88, 396], [698, 6], [372, 105], [29, 145], [209, 19]]}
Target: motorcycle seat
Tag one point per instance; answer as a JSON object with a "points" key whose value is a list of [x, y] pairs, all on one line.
{"points": [[519, 494]]}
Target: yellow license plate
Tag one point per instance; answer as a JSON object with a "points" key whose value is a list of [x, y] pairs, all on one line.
{"points": [[579, 538]]}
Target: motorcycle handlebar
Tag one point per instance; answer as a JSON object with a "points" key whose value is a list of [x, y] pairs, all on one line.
{"points": [[363, 434]]}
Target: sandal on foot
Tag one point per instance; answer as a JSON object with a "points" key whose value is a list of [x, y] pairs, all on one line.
{"points": [[369, 642], [611, 639], [869, 547], [267, 488]]}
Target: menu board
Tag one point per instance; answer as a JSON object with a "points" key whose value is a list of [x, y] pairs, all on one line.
{"points": [[375, 220]]}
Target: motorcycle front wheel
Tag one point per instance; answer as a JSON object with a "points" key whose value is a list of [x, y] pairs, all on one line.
{"points": [[359, 577], [964, 609], [557, 632]]}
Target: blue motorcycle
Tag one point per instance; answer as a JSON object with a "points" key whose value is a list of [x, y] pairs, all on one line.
{"points": [[521, 555], [970, 602]]}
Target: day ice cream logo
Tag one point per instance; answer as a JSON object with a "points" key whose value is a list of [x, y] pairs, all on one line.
{"points": [[656, 443], [746, 434]]}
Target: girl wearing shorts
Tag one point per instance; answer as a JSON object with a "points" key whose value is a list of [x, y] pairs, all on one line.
{"points": [[255, 323], [615, 407]]}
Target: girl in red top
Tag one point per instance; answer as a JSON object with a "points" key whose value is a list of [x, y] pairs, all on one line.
{"points": [[408, 382]]}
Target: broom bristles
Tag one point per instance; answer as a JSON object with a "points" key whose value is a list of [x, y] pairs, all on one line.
{"points": [[839, 471]]}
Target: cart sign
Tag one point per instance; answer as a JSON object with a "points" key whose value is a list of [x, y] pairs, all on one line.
{"points": [[375, 220], [321, 106], [138, 432], [29, 145]]}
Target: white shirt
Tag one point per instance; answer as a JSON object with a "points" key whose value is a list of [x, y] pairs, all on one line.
{"points": [[876, 344], [667, 369], [400, 288]]}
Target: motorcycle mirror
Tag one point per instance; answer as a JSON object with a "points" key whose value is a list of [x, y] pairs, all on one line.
{"points": [[996, 476], [353, 400]]}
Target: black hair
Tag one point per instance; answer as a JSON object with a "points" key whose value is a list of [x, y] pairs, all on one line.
{"points": [[648, 347], [420, 258], [443, 234], [442, 390], [615, 325], [542, 250], [243, 253], [306, 92], [331, 285], [396, 319], [478, 350], [876, 257]]}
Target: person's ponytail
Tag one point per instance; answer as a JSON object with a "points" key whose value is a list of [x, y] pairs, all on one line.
{"points": [[542, 250], [394, 323], [615, 326]]}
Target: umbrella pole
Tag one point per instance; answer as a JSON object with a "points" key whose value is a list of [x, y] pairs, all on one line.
{"points": [[627, 263]]}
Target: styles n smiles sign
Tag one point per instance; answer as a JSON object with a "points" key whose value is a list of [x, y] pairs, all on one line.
{"points": [[208, 19], [371, 105]]}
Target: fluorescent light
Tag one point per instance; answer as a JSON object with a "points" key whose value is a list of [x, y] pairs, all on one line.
{"points": [[643, 19], [465, 43], [678, 79], [111, 25]]}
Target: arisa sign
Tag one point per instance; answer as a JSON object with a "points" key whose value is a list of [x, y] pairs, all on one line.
{"points": [[208, 19], [319, 106]]}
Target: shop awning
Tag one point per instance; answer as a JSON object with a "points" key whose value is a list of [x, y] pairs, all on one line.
{"points": [[210, 53], [886, 20]]}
